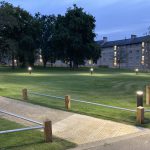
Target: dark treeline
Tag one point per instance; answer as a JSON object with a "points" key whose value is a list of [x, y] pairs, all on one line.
{"points": [[69, 38]]}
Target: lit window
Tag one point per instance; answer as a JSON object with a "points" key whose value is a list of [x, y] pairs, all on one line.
{"points": [[142, 62], [115, 48], [115, 64], [90, 62], [143, 44]]}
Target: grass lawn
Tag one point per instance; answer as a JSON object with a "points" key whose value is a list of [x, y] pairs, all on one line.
{"points": [[28, 140], [107, 86]]}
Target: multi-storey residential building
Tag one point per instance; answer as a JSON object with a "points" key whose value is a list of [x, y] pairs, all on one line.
{"points": [[128, 53]]}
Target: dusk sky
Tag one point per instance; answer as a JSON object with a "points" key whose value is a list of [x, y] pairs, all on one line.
{"points": [[115, 19]]}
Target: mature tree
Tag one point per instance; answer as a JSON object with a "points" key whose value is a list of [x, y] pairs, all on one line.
{"points": [[74, 37], [46, 31], [8, 23], [17, 31]]}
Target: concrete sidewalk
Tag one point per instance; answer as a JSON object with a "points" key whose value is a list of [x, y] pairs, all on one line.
{"points": [[79, 129], [136, 141]]}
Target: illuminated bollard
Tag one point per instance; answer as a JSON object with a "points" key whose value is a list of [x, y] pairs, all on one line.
{"points": [[140, 115], [48, 131], [136, 71], [67, 102], [91, 70], [147, 95], [30, 70], [139, 98], [24, 94]]}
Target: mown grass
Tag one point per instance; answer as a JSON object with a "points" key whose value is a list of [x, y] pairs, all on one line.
{"points": [[28, 140], [107, 86]]}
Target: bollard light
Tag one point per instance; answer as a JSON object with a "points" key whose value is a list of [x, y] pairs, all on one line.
{"points": [[30, 70], [91, 70], [139, 98], [136, 71]]}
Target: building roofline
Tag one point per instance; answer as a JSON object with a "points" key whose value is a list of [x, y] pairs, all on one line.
{"points": [[123, 42]]}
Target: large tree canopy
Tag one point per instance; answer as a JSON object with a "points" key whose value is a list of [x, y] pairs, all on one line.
{"points": [[74, 37], [18, 33], [69, 38]]}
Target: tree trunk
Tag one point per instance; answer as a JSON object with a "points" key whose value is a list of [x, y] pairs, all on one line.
{"points": [[70, 64], [119, 65], [75, 65], [51, 64], [13, 63], [44, 63]]}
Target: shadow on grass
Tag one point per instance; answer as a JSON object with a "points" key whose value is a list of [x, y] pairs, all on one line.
{"points": [[58, 143]]}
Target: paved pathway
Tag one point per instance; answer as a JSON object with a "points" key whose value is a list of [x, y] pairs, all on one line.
{"points": [[76, 128], [136, 141]]}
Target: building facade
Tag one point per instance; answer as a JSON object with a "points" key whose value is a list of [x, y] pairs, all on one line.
{"points": [[128, 53]]}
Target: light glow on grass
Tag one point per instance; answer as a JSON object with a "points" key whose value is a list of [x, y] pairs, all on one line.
{"points": [[107, 86]]}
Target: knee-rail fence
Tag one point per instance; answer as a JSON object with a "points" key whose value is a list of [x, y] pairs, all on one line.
{"points": [[67, 99], [47, 125]]}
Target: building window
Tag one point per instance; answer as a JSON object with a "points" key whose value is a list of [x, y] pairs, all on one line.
{"points": [[143, 44], [115, 48], [115, 64], [115, 55], [143, 50], [142, 61]]}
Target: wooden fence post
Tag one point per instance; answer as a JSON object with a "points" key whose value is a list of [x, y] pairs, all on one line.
{"points": [[140, 115], [67, 102], [48, 131], [24, 94], [147, 95]]}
